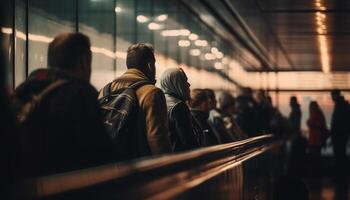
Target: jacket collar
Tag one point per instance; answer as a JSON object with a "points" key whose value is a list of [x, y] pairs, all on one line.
{"points": [[132, 75]]}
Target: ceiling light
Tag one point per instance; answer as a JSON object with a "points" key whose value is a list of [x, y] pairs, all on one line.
{"points": [[321, 15], [185, 32], [142, 19], [219, 66], [201, 43], [193, 36], [162, 17], [214, 50], [219, 55], [209, 56], [184, 43], [154, 26], [321, 31], [118, 9], [175, 32], [225, 60], [195, 52]]}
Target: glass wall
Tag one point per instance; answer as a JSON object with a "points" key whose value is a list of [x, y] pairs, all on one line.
{"points": [[179, 37], [46, 19], [20, 42]]}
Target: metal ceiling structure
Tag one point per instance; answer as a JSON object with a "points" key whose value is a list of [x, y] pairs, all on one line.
{"points": [[284, 35], [297, 26]]}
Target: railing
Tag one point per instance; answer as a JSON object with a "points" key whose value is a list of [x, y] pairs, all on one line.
{"points": [[182, 176]]}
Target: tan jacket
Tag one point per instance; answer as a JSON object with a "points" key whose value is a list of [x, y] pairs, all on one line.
{"points": [[153, 112]]}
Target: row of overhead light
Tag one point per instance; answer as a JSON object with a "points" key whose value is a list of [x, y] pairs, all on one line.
{"points": [[192, 37], [321, 28]]}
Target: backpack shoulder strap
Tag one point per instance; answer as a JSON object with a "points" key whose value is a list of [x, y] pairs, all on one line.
{"points": [[107, 89], [139, 84], [36, 100]]}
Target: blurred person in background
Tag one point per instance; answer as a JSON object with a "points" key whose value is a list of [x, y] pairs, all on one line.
{"points": [[200, 107], [263, 112], [226, 106], [317, 129], [295, 116], [245, 112], [216, 120], [340, 130]]}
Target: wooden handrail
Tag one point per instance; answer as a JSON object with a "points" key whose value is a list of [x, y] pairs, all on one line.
{"points": [[188, 168]]}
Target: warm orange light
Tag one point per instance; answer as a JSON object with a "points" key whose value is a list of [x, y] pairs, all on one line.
{"points": [[322, 39], [321, 31]]}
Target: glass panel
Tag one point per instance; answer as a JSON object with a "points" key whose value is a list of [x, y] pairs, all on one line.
{"points": [[6, 40], [20, 55], [126, 31], [47, 19], [146, 23], [96, 19]]}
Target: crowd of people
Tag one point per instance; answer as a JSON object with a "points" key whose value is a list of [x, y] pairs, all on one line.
{"points": [[65, 124]]}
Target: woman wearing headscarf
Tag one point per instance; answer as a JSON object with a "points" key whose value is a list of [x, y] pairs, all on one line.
{"points": [[174, 84]]}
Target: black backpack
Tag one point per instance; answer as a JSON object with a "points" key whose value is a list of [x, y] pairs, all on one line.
{"points": [[120, 117]]}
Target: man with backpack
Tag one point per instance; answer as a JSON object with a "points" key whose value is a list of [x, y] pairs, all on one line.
{"points": [[59, 114], [134, 110]]}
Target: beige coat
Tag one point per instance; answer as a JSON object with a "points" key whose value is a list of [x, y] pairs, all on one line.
{"points": [[153, 112]]}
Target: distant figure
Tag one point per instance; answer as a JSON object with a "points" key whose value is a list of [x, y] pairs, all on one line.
{"points": [[340, 130], [226, 106], [66, 131], [246, 112], [216, 121], [263, 112], [200, 107], [317, 128], [176, 88], [295, 116], [152, 135]]}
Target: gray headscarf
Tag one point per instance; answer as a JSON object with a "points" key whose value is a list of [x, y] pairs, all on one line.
{"points": [[173, 81]]}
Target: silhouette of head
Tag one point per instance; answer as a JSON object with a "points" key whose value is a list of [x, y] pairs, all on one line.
{"points": [[212, 99], [71, 53], [293, 102], [200, 100], [141, 56], [335, 94]]}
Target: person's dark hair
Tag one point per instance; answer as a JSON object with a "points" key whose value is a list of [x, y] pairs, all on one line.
{"points": [[293, 101], [198, 96], [67, 50], [225, 100], [210, 93], [335, 93], [138, 55]]}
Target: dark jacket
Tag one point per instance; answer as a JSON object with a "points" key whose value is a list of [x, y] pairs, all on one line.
{"points": [[202, 118], [66, 132], [216, 121], [340, 118], [295, 119], [182, 133], [153, 126]]}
